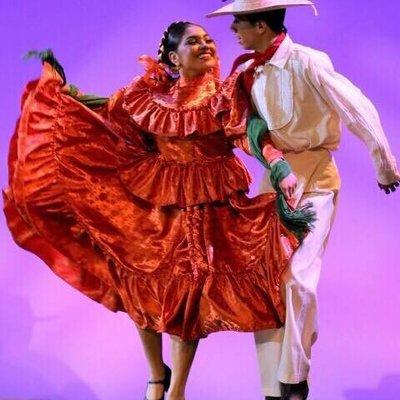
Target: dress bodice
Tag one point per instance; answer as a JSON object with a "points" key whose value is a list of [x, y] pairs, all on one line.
{"points": [[193, 149], [183, 171], [191, 126]]}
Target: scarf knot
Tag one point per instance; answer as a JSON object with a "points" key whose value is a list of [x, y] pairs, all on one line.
{"points": [[258, 59]]}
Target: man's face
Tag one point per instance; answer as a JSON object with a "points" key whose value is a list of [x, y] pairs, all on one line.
{"points": [[248, 35]]}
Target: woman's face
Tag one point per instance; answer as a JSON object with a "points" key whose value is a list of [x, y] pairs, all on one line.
{"points": [[196, 53]]}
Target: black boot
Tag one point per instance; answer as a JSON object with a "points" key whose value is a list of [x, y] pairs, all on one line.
{"points": [[298, 391]]}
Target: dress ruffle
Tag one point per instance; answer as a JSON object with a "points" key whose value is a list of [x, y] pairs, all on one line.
{"points": [[224, 108], [161, 182], [231, 106], [187, 271], [167, 114], [36, 210]]}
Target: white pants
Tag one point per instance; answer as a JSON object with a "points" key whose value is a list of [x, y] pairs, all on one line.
{"points": [[284, 354]]}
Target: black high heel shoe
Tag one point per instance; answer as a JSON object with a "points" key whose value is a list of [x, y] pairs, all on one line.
{"points": [[166, 382]]}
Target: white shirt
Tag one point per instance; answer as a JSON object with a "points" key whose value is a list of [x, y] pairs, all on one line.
{"points": [[302, 99]]}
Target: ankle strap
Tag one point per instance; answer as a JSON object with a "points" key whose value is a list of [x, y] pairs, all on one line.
{"points": [[162, 381]]}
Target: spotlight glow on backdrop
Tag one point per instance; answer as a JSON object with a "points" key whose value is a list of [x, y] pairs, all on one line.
{"points": [[57, 345]]}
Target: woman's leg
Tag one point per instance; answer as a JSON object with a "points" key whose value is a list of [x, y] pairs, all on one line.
{"points": [[182, 358], [152, 345]]}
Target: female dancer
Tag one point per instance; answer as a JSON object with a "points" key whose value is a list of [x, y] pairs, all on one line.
{"points": [[140, 204]]}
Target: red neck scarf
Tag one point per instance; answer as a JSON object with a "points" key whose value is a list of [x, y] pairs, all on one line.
{"points": [[258, 59]]}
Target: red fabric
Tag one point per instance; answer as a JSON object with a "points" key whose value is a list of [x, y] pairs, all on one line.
{"points": [[269, 151], [200, 106], [258, 59], [195, 266], [183, 172]]}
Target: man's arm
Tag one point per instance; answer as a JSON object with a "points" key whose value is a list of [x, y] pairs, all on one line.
{"points": [[359, 115]]}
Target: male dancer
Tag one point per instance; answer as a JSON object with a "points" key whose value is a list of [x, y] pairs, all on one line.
{"points": [[297, 92]]}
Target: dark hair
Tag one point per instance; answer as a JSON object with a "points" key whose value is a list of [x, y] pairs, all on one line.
{"points": [[171, 39], [273, 18]]}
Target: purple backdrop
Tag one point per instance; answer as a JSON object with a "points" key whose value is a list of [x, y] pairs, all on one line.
{"points": [[57, 345]]}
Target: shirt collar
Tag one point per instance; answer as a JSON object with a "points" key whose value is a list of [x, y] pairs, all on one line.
{"points": [[282, 55]]}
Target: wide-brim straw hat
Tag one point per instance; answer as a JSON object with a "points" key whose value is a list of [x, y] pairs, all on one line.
{"points": [[256, 6]]}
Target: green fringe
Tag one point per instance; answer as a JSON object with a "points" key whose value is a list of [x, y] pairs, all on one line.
{"points": [[299, 221], [47, 56]]}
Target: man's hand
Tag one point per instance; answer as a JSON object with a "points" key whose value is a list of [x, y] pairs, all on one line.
{"points": [[389, 188], [288, 186]]}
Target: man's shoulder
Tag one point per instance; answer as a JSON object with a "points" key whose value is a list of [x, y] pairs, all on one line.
{"points": [[306, 56]]}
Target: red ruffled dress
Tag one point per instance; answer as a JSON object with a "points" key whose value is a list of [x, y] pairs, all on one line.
{"points": [[141, 205]]}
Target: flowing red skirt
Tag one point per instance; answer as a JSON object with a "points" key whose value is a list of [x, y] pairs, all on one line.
{"points": [[188, 271]]}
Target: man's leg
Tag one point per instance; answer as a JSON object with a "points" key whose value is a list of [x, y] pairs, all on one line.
{"points": [[290, 358], [269, 349]]}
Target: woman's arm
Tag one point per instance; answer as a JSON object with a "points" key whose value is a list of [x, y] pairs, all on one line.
{"points": [[89, 100]]}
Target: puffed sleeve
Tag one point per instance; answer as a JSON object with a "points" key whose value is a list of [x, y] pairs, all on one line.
{"points": [[358, 114]]}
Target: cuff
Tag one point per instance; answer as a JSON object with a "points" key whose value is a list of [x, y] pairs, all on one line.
{"points": [[269, 151], [388, 177]]}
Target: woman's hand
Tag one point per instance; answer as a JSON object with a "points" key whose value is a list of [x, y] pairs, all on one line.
{"points": [[65, 89], [71, 90]]}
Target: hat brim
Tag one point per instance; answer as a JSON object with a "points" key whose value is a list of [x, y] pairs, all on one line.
{"points": [[230, 10]]}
